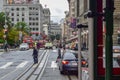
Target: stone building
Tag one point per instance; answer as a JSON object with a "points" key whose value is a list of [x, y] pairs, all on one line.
{"points": [[28, 12], [81, 7]]}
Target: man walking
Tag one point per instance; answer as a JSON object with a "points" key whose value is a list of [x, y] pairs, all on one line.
{"points": [[35, 55]]}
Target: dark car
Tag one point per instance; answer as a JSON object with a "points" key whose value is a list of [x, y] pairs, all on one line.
{"points": [[68, 62]]}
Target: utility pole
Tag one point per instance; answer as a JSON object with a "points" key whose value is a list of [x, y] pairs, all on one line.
{"points": [[92, 28], [79, 43], [109, 42]]}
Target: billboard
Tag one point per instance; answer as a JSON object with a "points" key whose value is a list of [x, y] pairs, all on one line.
{"points": [[22, 1], [10, 1]]}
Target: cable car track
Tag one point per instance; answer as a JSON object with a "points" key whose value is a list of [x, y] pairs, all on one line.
{"points": [[32, 71], [72, 77]]}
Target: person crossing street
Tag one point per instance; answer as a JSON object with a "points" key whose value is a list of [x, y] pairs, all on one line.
{"points": [[35, 55]]}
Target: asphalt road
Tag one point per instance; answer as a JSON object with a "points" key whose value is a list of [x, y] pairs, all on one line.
{"points": [[52, 71], [13, 63]]}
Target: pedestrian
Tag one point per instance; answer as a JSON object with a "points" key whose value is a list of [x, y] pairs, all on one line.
{"points": [[5, 47], [38, 45], [59, 53], [35, 55]]}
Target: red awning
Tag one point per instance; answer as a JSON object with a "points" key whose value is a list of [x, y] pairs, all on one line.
{"points": [[35, 32]]}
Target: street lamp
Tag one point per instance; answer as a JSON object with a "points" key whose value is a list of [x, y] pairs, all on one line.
{"points": [[20, 34], [6, 26], [64, 25]]}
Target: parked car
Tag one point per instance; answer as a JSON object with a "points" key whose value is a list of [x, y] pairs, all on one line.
{"points": [[24, 46]]}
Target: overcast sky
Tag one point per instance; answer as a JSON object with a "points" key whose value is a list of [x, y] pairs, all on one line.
{"points": [[57, 8]]}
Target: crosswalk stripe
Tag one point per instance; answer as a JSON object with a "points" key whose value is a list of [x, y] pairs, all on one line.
{"points": [[22, 64], [53, 64], [6, 65]]}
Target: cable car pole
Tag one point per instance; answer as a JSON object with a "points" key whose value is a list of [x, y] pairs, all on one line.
{"points": [[92, 39], [109, 42]]}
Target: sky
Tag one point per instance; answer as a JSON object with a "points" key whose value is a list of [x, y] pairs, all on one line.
{"points": [[57, 8]]}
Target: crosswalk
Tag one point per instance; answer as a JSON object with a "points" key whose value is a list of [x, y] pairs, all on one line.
{"points": [[8, 64], [23, 64]]}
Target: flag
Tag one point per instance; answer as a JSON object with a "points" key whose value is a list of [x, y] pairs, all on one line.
{"points": [[73, 23]]}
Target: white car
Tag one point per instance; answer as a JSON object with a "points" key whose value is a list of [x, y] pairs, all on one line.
{"points": [[24, 46], [48, 45]]}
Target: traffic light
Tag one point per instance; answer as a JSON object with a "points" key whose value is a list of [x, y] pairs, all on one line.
{"points": [[82, 26]]}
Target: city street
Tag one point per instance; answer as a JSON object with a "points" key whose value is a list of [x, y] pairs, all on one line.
{"points": [[14, 63]]}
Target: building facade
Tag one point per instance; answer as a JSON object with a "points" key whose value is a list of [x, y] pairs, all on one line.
{"points": [[30, 12], [46, 23], [78, 9], [55, 28], [1, 5]]}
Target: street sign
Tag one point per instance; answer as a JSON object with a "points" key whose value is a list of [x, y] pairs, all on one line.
{"points": [[5, 26], [4, 36]]}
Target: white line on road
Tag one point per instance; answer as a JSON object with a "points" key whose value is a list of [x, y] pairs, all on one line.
{"points": [[6, 65], [41, 65], [22, 64], [1, 53], [53, 65]]}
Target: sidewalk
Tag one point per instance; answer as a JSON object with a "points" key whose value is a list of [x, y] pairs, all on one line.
{"points": [[1, 50]]}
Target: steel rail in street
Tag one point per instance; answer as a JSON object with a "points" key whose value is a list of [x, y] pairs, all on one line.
{"points": [[30, 70]]}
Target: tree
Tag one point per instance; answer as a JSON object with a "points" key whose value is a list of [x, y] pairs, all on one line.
{"points": [[52, 37], [58, 36], [2, 21], [13, 36], [22, 26]]}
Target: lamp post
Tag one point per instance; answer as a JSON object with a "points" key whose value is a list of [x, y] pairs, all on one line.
{"points": [[20, 34], [64, 25], [6, 26]]}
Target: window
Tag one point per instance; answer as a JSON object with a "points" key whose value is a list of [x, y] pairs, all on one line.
{"points": [[12, 14], [12, 19], [37, 18], [36, 23], [17, 14], [36, 13], [36, 29], [17, 9], [23, 14], [29, 18], [36, 34], [29, 23], [23, 19], [23, 9], [33, 23], [33, 29], [36, 8], [12, 24], [12, 9], [30, 8], [17, 19]]}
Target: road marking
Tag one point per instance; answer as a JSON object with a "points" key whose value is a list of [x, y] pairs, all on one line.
{"points": [[6, 65], [1, 53], [54, 50], [53, 65], [22, 64], [41, 65]]}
